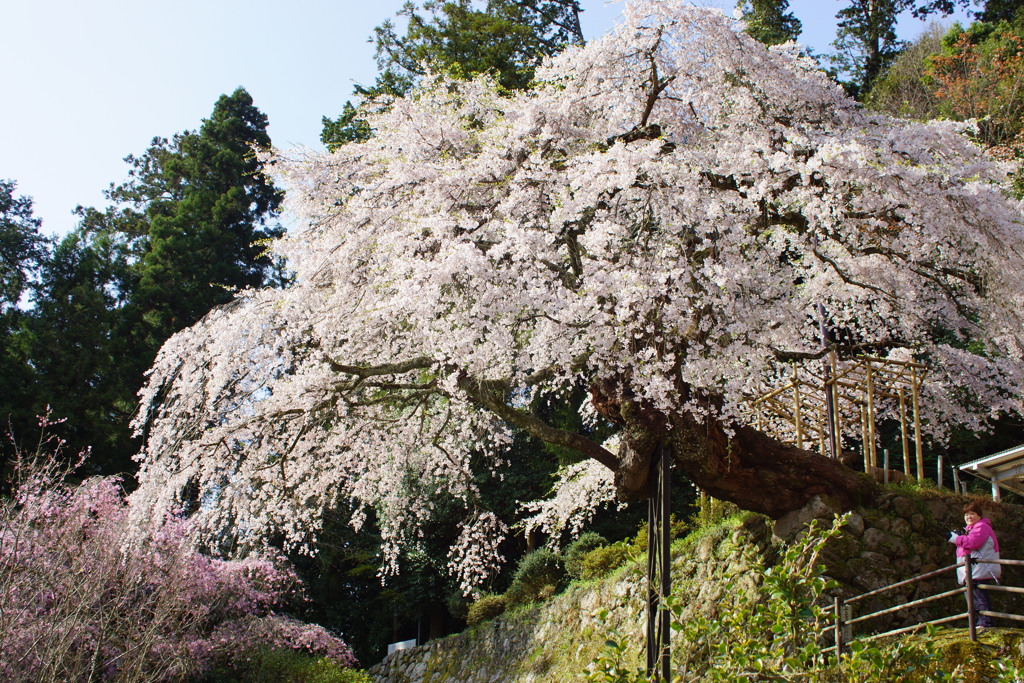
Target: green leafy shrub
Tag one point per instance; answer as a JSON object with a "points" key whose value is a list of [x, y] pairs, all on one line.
{"points": [[280, 666], [536, 571], [486, 608], [601, 562], [579, 549]]}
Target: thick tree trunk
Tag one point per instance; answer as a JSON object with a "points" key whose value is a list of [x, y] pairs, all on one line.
{"points": [[749, 468]]}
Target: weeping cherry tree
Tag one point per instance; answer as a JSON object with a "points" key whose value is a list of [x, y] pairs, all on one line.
{"points": [[659, 218]]}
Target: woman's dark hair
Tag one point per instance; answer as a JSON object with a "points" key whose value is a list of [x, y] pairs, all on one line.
{"points": [[975, 507]]}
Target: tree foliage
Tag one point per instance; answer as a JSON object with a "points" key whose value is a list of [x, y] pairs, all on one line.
{"points": [[866, 42], [209, 211], [992, 10], [87, 599], [506, 39], [768, 22], [660, 218], [21, 245], [907, 89], [80, 348], [980, 75], [22, 249], [189, 227]]}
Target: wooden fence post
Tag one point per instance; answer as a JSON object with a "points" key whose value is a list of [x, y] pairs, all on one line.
{"points": [[971, 620], [838, 604]]}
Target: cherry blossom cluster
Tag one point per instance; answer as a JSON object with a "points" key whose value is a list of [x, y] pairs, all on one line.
{"points": [[669, 210], [581, 489], [85, 599]]}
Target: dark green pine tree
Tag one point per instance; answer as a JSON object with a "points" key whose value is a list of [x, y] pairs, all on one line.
{"points": [[80, 348], [505, 38], [768, 22], [991, 10], [866, 42], [188, 228], [1001, 10], [210, 211], [22, 249]]}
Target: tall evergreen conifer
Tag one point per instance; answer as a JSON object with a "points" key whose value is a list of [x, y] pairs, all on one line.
{"points": [[188, 228], [505, 38], [21, 250], [768, 22], [210, 238]]}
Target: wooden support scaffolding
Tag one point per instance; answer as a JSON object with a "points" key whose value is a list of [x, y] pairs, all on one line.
{"points": [[849, 400]]}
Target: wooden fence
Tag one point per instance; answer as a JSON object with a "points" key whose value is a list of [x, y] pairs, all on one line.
{"points": [[844, 620]]}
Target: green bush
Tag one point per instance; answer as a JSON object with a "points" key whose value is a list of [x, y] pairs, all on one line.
{"points": [[486, 608], [537, 570], [284, 666], [579, 549], [601, 562]]}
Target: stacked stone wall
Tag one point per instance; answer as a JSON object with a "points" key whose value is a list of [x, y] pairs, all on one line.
{"points": [[905, 535]]}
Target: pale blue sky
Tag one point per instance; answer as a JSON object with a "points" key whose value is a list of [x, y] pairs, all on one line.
{"points": [[87, 83]]}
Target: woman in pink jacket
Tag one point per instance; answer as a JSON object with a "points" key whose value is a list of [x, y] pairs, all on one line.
{"points": [[978, 541]]}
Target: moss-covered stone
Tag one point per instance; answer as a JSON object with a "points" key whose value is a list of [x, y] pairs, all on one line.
{"points": [[904, 536]]}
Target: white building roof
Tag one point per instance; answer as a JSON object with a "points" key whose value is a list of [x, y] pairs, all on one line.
{"points": [[1003, 470]]}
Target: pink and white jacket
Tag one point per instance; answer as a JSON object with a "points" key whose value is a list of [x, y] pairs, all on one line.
{"points": [[981, 544]]}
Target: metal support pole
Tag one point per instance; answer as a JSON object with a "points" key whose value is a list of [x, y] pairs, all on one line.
{"points": [[939, 473], [885, 465], [659, 568], [666, 562], [972, 619]]}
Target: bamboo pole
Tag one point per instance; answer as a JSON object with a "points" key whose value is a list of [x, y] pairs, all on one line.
{"points": [[864, 438], [917, 423], [903, 431], [796, 411], [836, 415], [821, 432], [871, 416]]}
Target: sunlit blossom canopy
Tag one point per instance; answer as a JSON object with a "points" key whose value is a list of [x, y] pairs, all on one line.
{"points": [[660, 218]]}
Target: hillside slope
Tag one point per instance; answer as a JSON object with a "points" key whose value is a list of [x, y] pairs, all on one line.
{"points": [[555, 641]]}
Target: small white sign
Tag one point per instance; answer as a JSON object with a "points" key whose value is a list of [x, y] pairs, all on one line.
{"points": [[404, 645]]}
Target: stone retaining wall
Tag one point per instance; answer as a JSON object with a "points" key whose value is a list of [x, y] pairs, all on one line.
{"points": [[555, 641]]}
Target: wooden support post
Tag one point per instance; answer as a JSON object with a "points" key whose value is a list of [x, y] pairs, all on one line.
{"points": [[903, 432], [838, 605], [956, 480], [821, 433], [885, 466], [917, 422], [864, 439], [871, 416], [796, 411], [835, 426], [938, 472]]}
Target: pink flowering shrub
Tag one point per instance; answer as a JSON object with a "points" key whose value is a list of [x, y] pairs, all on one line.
{"points": [[83, 599]]}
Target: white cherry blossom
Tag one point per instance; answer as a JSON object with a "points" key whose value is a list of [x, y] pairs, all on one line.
{"points": [[659, 218]]}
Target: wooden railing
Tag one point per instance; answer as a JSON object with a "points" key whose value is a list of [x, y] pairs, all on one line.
{"points": [[844, 621]]}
